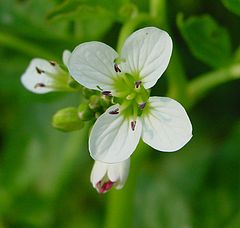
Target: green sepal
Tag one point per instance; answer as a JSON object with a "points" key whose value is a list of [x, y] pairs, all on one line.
{"points": [[73, 84], [67, 119]]}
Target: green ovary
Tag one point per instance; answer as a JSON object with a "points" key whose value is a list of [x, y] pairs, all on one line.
{"points": [[131, 95]]}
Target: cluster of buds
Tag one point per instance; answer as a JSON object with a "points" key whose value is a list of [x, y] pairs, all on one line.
{"points": [[73, 118], [44, 76]]}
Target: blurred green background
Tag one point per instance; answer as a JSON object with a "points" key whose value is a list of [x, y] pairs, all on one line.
{"points": [[44, 173]]}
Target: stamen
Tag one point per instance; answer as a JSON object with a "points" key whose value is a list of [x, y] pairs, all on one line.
{"points": [[53, 63], [133, 124], [116, 67], [137, 84], [99, 88], [104, 187], [39, 85], [114, 112], [39, 70], [107, 93], [142, 105]]}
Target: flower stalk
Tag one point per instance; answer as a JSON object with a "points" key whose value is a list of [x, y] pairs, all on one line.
{"points": [[202, 84], [120, 201]]}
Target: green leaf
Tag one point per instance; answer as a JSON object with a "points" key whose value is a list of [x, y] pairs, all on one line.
{"points": [[208, 41], [64, 8], [69, 6], [15, 20], [88, 22], [232, 5]]}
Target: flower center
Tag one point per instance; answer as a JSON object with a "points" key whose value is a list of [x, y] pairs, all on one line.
{"points": [[130, 94]]}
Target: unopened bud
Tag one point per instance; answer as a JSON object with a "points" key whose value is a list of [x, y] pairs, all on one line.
{"points": [[87, 93], [67, 119], [94, 102], [97, 114], [84, 112], [105, 101]]}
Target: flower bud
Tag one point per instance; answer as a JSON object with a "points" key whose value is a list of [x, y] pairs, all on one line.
{"points": [[105, 101], [87, 93], [84, 112], [104, 176], [94, 102], [67, 119]]}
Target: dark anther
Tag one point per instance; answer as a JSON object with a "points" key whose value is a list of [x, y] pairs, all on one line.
{"points": [[138, 83], [39, 70], [133, 125], [53, 63], [116, 67], [142, 105], [107, 93], [114, 112], [39, 85]]}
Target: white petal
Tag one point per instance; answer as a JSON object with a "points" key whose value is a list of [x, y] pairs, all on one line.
{"points": [[66, 56], [99, 170], [92, 65], [167, 126], [31, 77], [119, 172], [147, 52], [112, 140]]}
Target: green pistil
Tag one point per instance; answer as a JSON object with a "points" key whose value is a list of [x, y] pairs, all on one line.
{"points": [[131, 95]]}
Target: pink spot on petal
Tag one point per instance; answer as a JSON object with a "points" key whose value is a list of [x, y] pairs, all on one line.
{"points": [[104, 187]]}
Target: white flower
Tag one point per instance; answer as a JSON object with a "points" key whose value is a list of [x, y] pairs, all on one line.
{"points": [[104, 176], [43, 76], [161, 122]]}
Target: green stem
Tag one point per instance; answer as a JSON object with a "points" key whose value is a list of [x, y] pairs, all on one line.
{"points": [[121, 202], [158, 11], [175, 72], [199, 87], [27, 48], [177, 79]]}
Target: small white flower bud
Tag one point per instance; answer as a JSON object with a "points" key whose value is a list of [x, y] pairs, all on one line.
{"points": [[104, 176]]}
